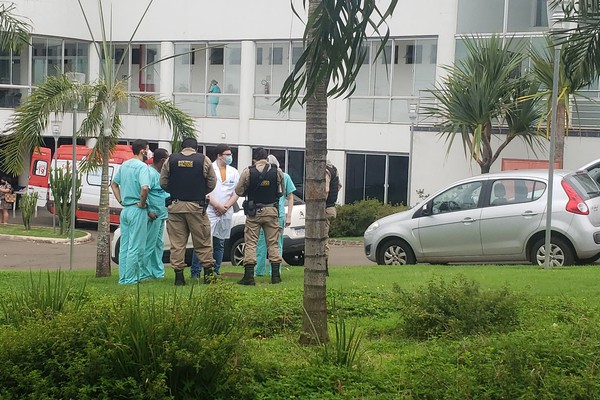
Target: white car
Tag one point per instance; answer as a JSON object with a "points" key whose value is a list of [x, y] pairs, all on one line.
{"points": [[293, 239]]}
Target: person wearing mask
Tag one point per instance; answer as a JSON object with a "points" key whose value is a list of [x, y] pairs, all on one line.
{"points": [[130, 187], [213, 100], [285, 219], [262, 183], [153, 267], [189, 176], [332, 188], [220, 208]]}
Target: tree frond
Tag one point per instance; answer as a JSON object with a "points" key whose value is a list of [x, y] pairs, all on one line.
{"points": [[14, 31], [339, 50]]}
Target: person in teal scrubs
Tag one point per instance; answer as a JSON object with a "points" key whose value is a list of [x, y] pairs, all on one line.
{"points": [[213, 100], [130, 187], [284, 220], [153, 267]]}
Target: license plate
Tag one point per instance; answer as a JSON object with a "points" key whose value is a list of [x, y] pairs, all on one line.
{"points": [[300, 231]]}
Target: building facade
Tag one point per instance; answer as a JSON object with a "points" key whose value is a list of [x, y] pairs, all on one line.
{"points": [[249, 48]]}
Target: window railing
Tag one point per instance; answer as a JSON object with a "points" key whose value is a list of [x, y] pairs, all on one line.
{"points": [[265, 107], [203, 105], [11, 96]]}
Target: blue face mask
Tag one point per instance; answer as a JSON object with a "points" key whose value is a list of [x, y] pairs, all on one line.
{"points": [[228, 160]]}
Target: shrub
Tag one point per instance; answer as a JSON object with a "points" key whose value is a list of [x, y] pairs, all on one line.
{"points": [[61, 180], [353, 219], [27, 204], [455, 309]]}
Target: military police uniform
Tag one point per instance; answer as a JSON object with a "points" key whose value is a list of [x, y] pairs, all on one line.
{"points": [[332, 182], [263, 189], [188, 176]]}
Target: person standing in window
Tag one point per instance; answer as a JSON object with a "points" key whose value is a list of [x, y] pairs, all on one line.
{"points": [[213, 100], [220, 207]]}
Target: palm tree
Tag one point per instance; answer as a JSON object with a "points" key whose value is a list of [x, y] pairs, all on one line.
{"points": [[484, 92], [569, 83], [334, 50], [100, 99], [14, 31]]}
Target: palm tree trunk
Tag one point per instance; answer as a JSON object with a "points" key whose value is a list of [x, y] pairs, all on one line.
{"points": [[314, 320], [559, 144], [486, 149], [103, 245]]}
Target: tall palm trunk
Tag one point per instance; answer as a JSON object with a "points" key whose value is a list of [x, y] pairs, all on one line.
{"points": [[561, 125], [103, 245], [314, 321]]}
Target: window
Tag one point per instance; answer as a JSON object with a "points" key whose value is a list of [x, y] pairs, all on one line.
{"points": [[414, 54], [94, 176], [216, 56], [276, 57], [259, 55], [461, 197], [515, 191], [376, 176]]}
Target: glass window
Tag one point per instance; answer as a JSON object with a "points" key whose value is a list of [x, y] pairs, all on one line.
{"points": [[477, 16], [120, 62], [527, 15], [145, 70], [46, 58], [461, 197], [76, 57], [94, 176], [296, 170], [216, 56], [376, 176], [355, 178], [397, 179]]}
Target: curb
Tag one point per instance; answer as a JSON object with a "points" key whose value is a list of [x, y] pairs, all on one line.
{"points": [[353, 243], [20, 238]]}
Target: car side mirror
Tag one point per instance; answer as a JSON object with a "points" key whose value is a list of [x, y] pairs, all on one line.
{"points": [[426, 209]]}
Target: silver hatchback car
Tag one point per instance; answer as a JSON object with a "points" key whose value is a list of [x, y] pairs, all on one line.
{"points": [[494, 218]]}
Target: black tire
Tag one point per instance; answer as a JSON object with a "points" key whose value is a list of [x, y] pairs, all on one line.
{"points": [[237, 252], [294, 259], [395, 252], [561, 253], [115, 256]]}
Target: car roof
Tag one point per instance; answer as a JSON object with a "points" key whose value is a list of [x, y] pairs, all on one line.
{"points": [[516, 174]]}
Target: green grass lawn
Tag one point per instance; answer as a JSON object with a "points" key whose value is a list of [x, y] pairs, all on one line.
{"points": [[501, 332], [37, 231]]}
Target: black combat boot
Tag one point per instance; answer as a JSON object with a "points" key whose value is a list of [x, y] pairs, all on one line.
{"points": [[275, 275], [179, 278], [209, 275], [248, 278]]}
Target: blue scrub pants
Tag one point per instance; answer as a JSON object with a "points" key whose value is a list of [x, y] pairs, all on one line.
{"points": [[261, 251], [153, 267], [218, 250], [134, 229]]}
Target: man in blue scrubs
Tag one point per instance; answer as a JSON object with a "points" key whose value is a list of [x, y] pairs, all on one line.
{"points": [[130, 187], [153, 267]]}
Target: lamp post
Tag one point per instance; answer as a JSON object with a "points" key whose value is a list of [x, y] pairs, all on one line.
{"points": [[413, 113], [56, 127], [77, 78]]}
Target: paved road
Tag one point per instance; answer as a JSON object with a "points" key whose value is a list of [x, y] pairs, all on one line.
{"points": [[26, 255]]}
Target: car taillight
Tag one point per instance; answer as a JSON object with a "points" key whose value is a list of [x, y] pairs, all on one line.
{"points": [[576, 205]]}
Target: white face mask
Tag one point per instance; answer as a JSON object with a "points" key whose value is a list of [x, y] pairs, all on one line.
{"points": [[228, 160], [149, 154]]}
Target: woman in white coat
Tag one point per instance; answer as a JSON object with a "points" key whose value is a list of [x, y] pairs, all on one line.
{"points": [[220, 208]]}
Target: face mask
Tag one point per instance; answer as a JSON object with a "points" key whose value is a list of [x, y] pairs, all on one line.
{"points": [[149, 154], [228, 160]]}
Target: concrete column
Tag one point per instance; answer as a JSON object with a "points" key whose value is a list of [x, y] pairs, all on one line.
{"points": [[246, 102], [167, 49]]}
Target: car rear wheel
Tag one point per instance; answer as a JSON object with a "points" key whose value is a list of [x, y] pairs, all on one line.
{"points": [[395, 252], [294, 259], [560, 253], [237, 252]]}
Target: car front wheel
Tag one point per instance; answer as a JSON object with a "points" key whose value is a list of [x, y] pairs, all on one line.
{"points": [[395, 252], [560, 253], [237, 252]]}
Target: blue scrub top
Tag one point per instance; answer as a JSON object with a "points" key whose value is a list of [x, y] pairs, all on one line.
{"points": [[132, 175], [156, 195]]}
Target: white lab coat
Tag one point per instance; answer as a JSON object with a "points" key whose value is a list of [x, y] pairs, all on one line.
{"points": [[220, 225]]}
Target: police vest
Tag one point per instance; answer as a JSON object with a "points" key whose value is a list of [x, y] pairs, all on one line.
{"points": [[186, 177], [263, 191], [334, 186]]}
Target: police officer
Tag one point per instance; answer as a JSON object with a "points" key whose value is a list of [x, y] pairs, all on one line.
{"points": [[332, 188], [189, 176], [262, 183]]}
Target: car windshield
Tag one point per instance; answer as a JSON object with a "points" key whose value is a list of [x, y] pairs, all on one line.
{"points": [[585, 186]]}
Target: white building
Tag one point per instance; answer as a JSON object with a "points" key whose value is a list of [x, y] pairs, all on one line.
{"points": [[249, 47]]}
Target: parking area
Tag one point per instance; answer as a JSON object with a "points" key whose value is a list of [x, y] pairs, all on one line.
{"points": [[26, 255]]}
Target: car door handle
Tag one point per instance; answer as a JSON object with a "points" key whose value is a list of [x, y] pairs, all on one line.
{"points": [[468, 220], [529, 213]]}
